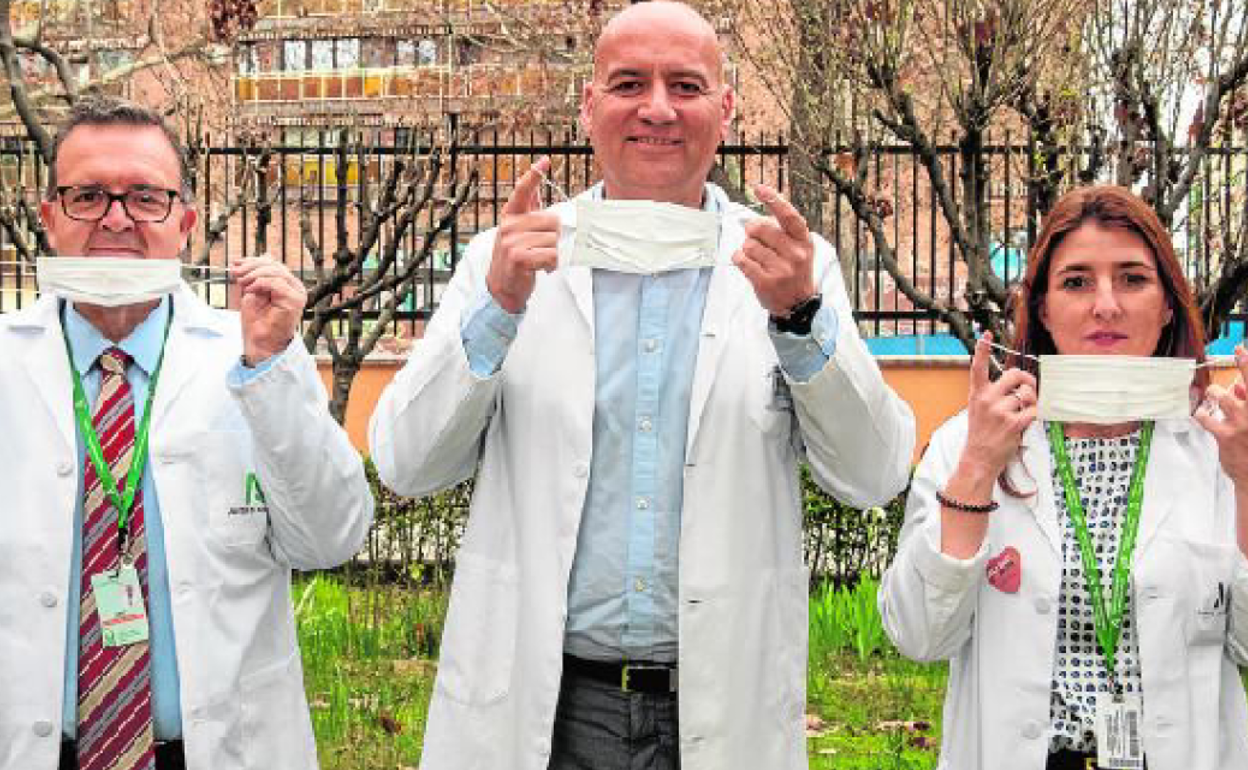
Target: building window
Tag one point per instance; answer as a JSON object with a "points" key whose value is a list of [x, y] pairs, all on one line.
{"points": [[377, 52], [347, 53], [427, 53], [295, 55], [467, 51], [247, 60]]}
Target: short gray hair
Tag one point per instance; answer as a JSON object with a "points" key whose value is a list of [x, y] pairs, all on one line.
{"points": [[101, 110]]}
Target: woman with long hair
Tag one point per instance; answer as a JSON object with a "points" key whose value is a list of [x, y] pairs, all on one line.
{"points": [[1074, 539]]}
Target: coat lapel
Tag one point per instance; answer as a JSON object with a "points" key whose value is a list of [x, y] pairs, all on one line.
{"points": [[580, 282], [1038, 476], [1166, 456], [191, 318], [725, 294], [47, 365]]}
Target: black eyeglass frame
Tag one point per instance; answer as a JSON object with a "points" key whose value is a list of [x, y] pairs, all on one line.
{"points": [[171, 195]]}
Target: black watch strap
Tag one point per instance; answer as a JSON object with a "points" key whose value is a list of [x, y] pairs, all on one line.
{"points": [[799, 317]]}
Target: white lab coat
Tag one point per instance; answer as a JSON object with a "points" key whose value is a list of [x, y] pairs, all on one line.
{"points": [[242, 697], [1001, 646], [527, 434]]}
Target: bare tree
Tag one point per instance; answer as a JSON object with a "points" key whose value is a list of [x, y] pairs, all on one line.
{"points": [[1099, 91], [367, 267], [64, 43]]}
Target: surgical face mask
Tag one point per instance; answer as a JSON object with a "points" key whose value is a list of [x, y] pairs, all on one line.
{"points": [[644, 237], [108, 281], [1113, 389]]}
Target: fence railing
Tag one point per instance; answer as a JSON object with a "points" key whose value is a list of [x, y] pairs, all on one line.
{"points": [[303, 178]]}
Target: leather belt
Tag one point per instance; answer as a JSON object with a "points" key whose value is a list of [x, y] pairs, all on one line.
{"points": [[629, 676], [169, 755]]}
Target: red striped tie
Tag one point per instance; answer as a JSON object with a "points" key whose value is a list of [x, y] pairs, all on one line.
{"points": [[114, 683]]}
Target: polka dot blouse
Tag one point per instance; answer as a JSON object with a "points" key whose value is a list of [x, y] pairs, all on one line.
{"points": [[1102, 468]]}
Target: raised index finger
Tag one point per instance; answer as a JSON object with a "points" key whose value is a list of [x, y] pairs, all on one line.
{"points": [[524, 198], [789, 218], [979, 362]]}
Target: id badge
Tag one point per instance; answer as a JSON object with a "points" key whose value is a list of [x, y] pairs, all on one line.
{"points": [[119, 602], [1119, 745]]}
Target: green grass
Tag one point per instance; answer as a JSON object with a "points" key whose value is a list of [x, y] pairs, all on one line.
{"points": [[368, 668], [369, 661]]}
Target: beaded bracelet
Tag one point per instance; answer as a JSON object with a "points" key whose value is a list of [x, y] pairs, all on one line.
{"points": [[958, 505]]}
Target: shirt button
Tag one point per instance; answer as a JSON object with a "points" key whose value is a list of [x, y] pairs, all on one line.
{"points": [[43, 728], [640, 585], [642, 503], [651, 345], [581, 470], [47, 599], [645, 425], [64, 468], [1042, 605], [1031, 730]]}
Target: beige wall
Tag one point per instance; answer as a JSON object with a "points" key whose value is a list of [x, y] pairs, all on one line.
{"points": [[935, 387]]}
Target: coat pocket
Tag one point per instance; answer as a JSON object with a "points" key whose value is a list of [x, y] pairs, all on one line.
{"points": [[238, 516], [770, 402], [479, 641]]}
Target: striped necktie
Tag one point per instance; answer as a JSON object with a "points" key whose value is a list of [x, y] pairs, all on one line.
{"points": [[114, 683]]}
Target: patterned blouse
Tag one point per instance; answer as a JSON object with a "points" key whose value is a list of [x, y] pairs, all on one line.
{"points": [[1102, 469]]}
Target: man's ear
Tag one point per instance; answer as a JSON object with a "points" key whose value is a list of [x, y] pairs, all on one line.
{"points": [[586, 112], [728, 103]]}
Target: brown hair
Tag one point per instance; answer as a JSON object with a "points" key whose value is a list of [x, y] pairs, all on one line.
{"points": [[103, 110], [1111, 207]]}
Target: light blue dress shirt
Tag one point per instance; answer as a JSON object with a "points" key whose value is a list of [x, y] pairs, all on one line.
{"points": [[143, 346], [623, 588]]}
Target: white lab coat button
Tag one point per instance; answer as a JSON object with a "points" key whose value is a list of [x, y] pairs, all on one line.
{"points": [[47, 599], [1042, 605], [43, 728], [64, 468], [642, 504], [645, 425], [1031, 730], [581, 470], [651, 345], [640, 585]]}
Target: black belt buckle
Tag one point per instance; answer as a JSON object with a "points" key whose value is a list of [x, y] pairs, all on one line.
{"points": [[646, 675]]}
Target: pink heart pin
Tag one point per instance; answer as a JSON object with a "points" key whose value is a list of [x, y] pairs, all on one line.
{"points": [[1005, 570]]}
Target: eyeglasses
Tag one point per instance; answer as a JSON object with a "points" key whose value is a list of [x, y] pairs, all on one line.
{"points": [[90, 203]]}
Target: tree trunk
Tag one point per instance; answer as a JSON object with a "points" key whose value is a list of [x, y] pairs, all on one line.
{"points": [[344, 370]]}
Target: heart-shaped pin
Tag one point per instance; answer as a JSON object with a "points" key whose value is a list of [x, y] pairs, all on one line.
{"points": [[1005, 570]]}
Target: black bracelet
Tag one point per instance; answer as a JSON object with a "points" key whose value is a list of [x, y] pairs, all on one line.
{"points": [[958, 505]]}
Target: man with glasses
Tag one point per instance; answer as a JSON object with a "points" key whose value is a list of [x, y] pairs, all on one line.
{"points": [[164, 466]]}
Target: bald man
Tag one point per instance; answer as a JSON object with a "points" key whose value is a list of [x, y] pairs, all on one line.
{"points": [[634, 549]]}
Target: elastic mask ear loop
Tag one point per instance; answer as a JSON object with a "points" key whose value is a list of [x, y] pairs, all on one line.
{"points": [[223, 274], [553, 185], [1001, 369]]}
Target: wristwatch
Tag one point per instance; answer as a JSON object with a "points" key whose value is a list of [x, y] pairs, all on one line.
{"points": [[800, 316]]}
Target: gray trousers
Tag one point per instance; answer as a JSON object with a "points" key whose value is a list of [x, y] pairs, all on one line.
{"points": [[600, 727]]}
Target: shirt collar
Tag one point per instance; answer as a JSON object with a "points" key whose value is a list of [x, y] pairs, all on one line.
{"points": [[143, 345]]}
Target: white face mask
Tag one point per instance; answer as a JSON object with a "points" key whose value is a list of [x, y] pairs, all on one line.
{"points": [[1113, 389], [108, 281], [645, 237]]}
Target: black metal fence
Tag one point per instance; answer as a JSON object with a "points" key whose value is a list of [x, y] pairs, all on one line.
{"points": [[304, 179]]}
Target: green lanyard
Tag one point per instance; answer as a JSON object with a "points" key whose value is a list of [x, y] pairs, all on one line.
{"points": [[123, 502], [1108, 620]]}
